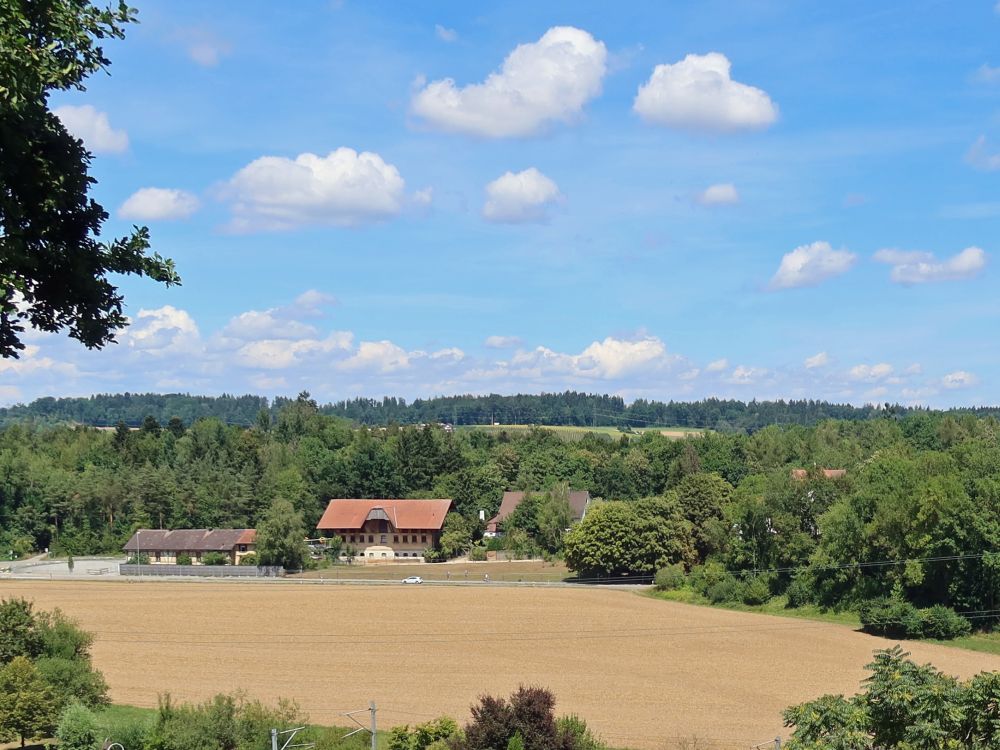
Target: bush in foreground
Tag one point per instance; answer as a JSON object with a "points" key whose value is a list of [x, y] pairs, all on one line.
{"points": [[904, 705], [77, 728], [527, 720]]}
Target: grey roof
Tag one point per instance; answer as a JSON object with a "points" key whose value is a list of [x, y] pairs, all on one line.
{"points": [[578, 502], [189, 540]]}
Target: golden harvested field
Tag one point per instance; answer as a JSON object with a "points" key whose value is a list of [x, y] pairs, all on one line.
{"points": [[644, 673]]}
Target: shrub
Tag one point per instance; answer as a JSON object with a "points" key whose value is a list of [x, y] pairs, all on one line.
{"points": [[215, 558], [891, 617], [77, 728], [800, 592], [128, 732], [183, 558], [433, 555], [943, 623], [249, 559], [756, 591], [477, 553], [726, 591], [495, 544], [141, 559], [574, 734], [704, 577], [670, 577]]}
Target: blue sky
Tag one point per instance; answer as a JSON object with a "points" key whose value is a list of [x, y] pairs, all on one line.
{"points": [[665, 200]]}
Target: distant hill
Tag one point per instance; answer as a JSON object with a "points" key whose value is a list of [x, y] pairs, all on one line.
{"points": [[568, 409]]}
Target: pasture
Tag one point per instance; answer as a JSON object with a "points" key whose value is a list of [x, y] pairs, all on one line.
{"points": [[644, 673]]}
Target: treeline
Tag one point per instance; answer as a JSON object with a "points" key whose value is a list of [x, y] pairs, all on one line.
{"points": [[921, 496], [590, 410], [547, 409]]}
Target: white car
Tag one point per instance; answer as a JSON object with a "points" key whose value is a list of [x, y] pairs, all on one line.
{"points": [[413, 579]]}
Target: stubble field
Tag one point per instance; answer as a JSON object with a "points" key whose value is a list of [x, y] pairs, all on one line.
{"points": [[644, 673]]}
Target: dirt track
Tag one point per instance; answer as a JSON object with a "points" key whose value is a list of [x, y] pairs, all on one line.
{"points": [[644, 673]]}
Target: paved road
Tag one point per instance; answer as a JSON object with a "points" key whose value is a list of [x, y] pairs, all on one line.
{"points": [[83, 567]]}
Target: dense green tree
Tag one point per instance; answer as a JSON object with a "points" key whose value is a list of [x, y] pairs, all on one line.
{"points": [[702, 498], [553, 517], [281, 537], [28, 707], [617, 538], [54, 272]]}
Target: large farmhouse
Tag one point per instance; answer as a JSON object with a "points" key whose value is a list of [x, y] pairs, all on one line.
{"points": [[579, 500], [385, 529], [163, 546]]}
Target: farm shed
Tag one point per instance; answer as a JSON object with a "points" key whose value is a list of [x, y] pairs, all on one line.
{"points": [[162, 546]]}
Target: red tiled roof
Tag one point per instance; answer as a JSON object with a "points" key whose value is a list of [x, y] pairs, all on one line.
{"points": [[189, 540], [249, 536], [828, 473], [402, 514]]}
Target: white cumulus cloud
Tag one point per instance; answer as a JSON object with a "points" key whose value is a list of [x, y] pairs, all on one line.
{"points": [[918, 267], [698, 93], [601, 360], [959, 379], [817, 360], [93, 128], [808, 265], [743, 375], [153, 204], [519, 198], [539, 83], [722, 194], [871, 373], [378, 356], [279, 354], [164, 330], [344, 188]]}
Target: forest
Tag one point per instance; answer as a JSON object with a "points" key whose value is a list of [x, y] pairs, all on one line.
{"points": [[549, 409], [915, 518]]}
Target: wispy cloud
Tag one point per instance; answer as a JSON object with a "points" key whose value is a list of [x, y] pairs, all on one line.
{"points": [[918, 267]]}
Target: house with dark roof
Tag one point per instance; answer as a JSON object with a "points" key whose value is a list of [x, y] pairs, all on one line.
{"points": [[384, 530], [579, 501], [162, 546]]}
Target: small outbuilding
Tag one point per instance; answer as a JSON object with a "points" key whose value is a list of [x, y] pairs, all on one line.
{"points": [[162, 546]]}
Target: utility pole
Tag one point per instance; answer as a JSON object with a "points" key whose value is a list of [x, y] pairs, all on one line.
{"points": [[373, 729], [288, 744]]}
